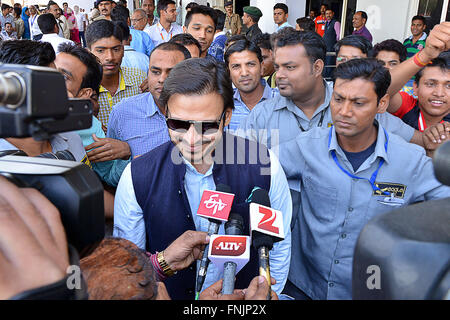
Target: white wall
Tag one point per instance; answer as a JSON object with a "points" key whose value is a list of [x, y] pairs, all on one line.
{"points": [[266, 24], [388, 19]]}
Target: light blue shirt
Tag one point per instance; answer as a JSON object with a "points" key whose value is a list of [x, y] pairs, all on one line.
{"points": [[278, 120], [141, 42], [335, 207], [129, 219], [108, 171], [135, 59], [159, 35], [284, 25], [241, 111], [138, 121]]}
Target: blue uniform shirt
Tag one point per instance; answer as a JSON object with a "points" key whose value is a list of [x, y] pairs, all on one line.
{"points": [[141, 42], [241, 111], [139, 122], [335, 207]]}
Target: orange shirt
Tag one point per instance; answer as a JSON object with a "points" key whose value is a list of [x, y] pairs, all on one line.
{"points": [[320, 25]]}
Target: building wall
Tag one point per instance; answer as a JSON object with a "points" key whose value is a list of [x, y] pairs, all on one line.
{"points": [[388, 19]]}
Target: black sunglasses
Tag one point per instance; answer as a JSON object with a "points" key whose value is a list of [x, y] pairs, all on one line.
{"points": [[202, 127]]}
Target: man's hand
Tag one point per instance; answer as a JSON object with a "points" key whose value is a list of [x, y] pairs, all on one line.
{"points": [[438, 41], [259, 288], [144, 86], [214, 292], [186, 249], [106, 149], [435, 136], [33, 246]]}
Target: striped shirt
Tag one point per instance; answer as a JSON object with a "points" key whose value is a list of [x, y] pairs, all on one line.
{"points": [[129, 81], [413, 48]]}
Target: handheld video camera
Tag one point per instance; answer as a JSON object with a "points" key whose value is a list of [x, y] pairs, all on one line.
{"points": [[34, 103]]}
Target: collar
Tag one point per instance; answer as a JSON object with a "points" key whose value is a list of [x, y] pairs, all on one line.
{"points": [[423, 37], [267, 93], [289, 104], [128, 48], [190, 169], [152, 107], [124, 82], [380, 150], [161, 28]]}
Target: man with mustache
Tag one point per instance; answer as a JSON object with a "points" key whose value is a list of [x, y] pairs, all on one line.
{"points": [[244, 61], [104, 40], [151, 212], [139, 120], [105, 7]]}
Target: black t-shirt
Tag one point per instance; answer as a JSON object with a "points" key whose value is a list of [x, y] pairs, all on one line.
{"points": [[358, 158]]}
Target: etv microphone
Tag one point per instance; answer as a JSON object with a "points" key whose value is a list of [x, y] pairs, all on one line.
{"points": [[215, 206], [235, 227], [267, 227]]}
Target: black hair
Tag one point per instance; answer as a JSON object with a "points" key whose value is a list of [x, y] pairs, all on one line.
{"points": [[51, 3], [369, 69], [234, 38], [262, 40], [47, 23], [306, 24], [363, 14], [191, 5], [7, 22], [120, 13], [172, 46], [93, 76], [125, 29], [207, 11], [220, 19], [102, 29], [355, 41], [242, 45], [281, 6], [391, 45], [421, 18], [442, 61], [162, 5], [17, 11], [27, 52], [312, 42], [5, 6], [186, 39], [199, 77]]}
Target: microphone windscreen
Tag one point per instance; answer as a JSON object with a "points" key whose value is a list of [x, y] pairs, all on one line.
{"points": [[262, 240], [441, 163], [235, 224], [261, 197]]}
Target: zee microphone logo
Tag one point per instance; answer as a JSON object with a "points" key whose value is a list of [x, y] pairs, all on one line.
{"points": [[229, 246]]}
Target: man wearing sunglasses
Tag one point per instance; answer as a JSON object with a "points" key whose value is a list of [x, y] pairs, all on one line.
{"points": [[159, 193], [139, 120]]}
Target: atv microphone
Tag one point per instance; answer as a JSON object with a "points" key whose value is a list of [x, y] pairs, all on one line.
{"points": [[216, 207], [267, 227], [234, 227]]}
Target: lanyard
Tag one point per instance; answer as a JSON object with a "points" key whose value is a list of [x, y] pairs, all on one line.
{"points": [[374, 175], [422, 124], [160, 32], [322, 115]]}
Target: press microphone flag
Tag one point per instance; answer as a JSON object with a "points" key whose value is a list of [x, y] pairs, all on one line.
{"points": [[266, 220], [215, 205], [225, 248]]}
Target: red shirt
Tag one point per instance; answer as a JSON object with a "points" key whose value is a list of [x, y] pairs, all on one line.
{"points": [[320, 25]]}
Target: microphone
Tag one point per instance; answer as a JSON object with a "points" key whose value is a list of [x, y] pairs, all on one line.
{"points": [[235, 227], [230, 252], [216, 207], [267, 227], [441, 163]]}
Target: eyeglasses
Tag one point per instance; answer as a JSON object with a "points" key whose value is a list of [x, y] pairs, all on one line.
{"points": [[136, 20], [202, 127]]}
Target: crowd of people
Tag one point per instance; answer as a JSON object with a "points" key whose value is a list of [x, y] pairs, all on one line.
{"points": [[179, 109]]}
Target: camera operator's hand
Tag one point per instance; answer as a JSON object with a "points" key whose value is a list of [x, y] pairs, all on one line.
{"points": [[258, 289], [106, 149], [435, 136], [33, 246], [214, 292], [186, 249]]}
